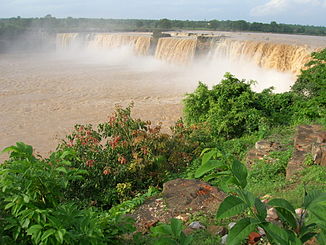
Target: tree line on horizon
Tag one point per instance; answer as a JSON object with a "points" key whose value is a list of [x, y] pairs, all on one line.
{"points": [[12, 29]]}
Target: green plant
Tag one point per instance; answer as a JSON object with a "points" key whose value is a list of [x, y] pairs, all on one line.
{"points": [[168, 234], [35, 210], [125, 156]]}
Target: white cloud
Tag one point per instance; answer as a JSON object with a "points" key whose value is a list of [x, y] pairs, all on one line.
{"points": [[276, 7]]}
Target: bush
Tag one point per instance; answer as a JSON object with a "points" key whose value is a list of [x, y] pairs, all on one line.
{"points": [[33, 206], [125, 156]]}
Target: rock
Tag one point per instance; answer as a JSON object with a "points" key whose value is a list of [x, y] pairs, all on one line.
{"points": [[182, 195], [217, 230], [180, 199], [301, 213], [309, 139], [261, 151], [230, 226], [271, 215], [318, 152], [183, 217], [261, 231], [254, 238], [223, 239], [196, 225]]}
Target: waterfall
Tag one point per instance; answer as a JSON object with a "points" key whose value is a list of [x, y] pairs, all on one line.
{"points": [[105, 41], [176, 50], [281, 57]]}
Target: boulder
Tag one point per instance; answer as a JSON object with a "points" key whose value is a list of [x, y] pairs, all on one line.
{"points": [[180, 198], [262, 150], [309, 139]]}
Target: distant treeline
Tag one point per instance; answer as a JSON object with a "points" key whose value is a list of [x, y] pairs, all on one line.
{"points": [[13, 28]]}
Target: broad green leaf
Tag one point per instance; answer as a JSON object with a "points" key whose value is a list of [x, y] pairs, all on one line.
{"points": [[282, 203], [165, 241], [231, 206], [176, 227], [240, 172], [308, 236], [311, 197], [48, 233], [240, 231], [322, 237], [207, 156], [275, 234], [34, 229], [261, 209], [286, 216], [186, 240], [208, 166], [247, 197]]}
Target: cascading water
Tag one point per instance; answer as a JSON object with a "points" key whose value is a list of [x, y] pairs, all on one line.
{"points": [[176, 50], [66, 40], [104, 41], [182, 50], [280, 57]]}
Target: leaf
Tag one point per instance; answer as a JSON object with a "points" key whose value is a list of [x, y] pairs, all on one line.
{"points": [[176, 227], [61, 169], [286, 216], [261, 209], [48, 233], [240, 172], [240, 231], [165, 241], [282, 203], [231, 206], [34, 229], [311, 197], [208, 155], [308, 236], [275, 234], [322, 237], [26, 199], [208, 166], [59, 235]]}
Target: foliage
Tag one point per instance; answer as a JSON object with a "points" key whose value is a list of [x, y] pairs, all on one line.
{"points": [[125, 156], [172, 233], [231, 109], [312, 80], [295, 229], [33, 207]]}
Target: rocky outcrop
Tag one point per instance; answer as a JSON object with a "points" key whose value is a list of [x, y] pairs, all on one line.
{"points": [[180, 198], [309, 140], [262, 150]]}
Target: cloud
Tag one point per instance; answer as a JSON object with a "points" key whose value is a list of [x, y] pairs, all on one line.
{"points": [[276, 7]]}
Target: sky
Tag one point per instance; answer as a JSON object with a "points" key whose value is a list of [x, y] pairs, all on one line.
{"points": [[307, 12]]}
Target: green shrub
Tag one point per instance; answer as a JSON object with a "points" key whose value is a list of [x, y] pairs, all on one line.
{"points": [[33, 205], [125, 156]]}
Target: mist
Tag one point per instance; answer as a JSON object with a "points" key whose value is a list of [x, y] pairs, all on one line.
{"points": [[43, 94]]}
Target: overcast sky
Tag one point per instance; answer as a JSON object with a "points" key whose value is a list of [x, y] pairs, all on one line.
{"points": [[311, 12]]}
